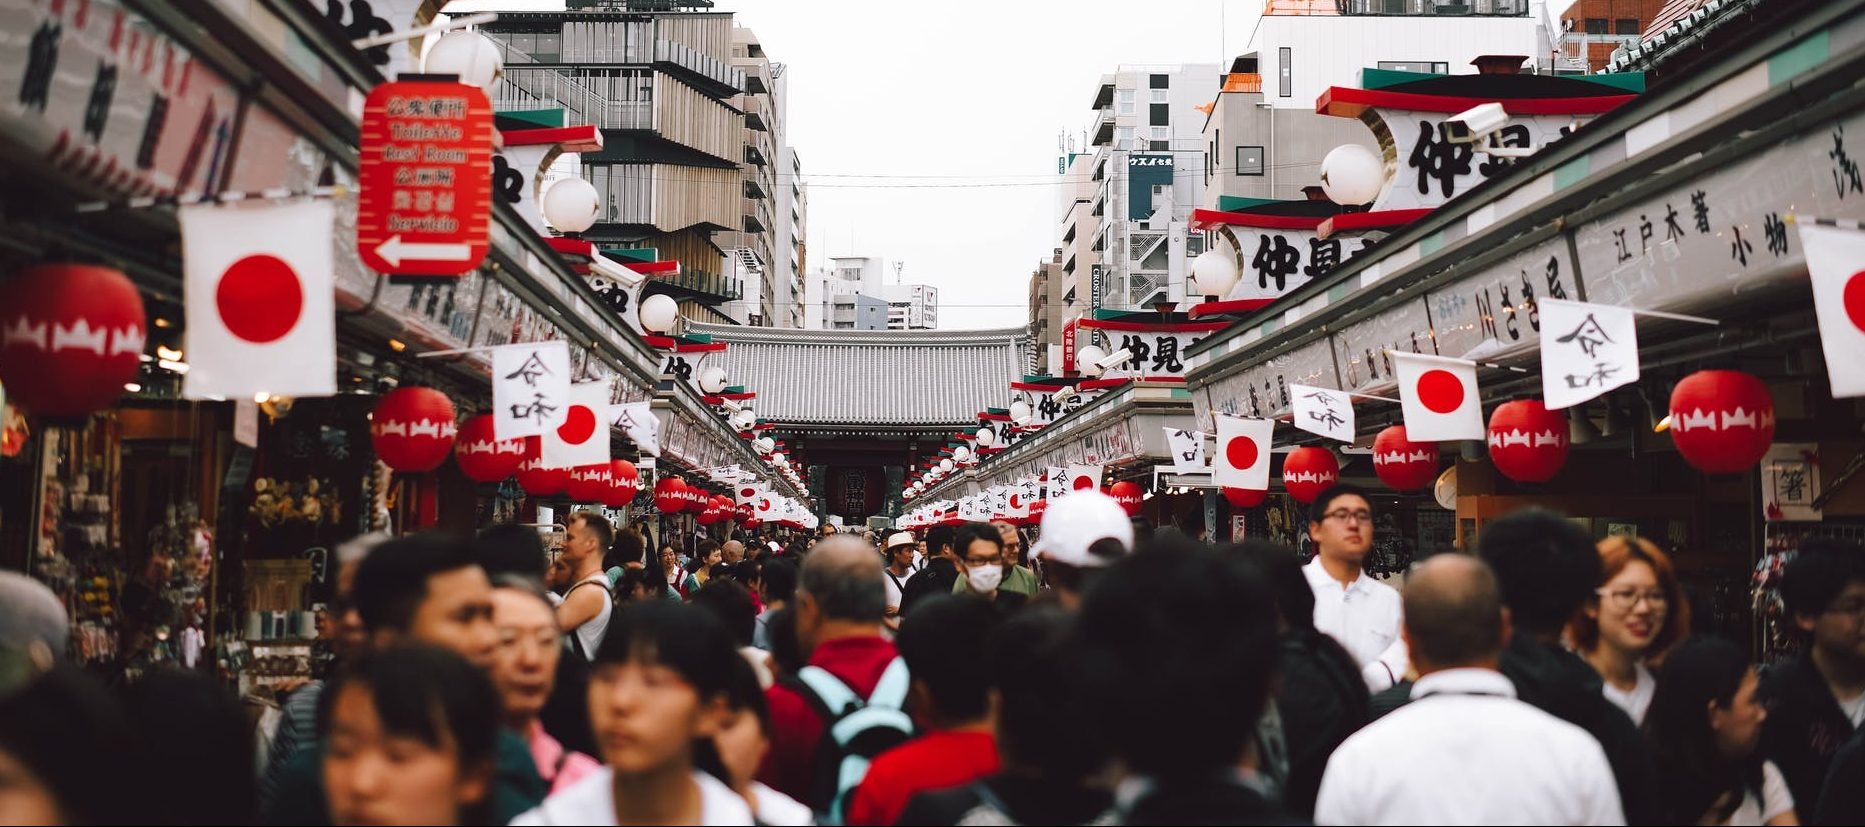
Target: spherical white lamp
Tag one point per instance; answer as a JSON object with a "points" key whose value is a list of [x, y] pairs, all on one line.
{"points": [[945, 465], [1019, 410], [961, 454], [986, 437], [469, 55], [659, 313], [744, 419], [1214, 272], [1352, 175], [764, 445], [1086, 358], [779, 459], [571, 205], [712, 380]]}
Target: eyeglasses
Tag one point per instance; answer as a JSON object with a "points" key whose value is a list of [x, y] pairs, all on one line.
{"points": [[984, 561], [1855, 608], [1624, 599], [1349, 517]]}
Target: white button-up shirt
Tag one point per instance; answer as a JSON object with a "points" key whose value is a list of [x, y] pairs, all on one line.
{"points": [[1465, 751], [1364, 616]]}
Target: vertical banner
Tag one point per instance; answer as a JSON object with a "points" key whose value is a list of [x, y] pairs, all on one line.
{"points": [[1586, 350], [530, 388]]}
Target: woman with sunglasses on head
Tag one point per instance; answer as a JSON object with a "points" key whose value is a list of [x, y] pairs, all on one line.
{"points": [[1704, 727], [658, 695], [1637, 612]]}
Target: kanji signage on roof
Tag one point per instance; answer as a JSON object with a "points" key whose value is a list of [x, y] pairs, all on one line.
{"points": [[426, 177]]}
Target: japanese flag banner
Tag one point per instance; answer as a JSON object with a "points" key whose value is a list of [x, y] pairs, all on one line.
{"points": [[1020, 494], [1586, 350], [1058, 483], [748, 493], [766, 505], [1187, 450], [1439, 397], [638, 421], [261, 309], [583, 438], [1836, 260], [1242, 459], [1323, 412], [1084, 477], [530, 388]]}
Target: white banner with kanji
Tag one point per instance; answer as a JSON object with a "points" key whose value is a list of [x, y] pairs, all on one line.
{"points": [[1586, 350], [1187, 450], [1323, 411], [530, 388], [1836, 261]]}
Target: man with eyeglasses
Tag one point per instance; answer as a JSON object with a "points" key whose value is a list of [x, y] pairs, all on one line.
{"points": [[1818, 697], [1361, 613], [1017, 578], [979, 550]]}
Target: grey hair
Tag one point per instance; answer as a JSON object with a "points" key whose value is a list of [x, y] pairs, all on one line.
{"points": [[843, 575]]}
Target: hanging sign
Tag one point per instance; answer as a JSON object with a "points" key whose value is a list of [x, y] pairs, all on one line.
{"points": [[425, 170], [530, 388], [1586, 350], [1323, 412]]}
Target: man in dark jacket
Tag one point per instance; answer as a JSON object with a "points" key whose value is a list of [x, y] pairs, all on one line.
{"points": [[939, 574], [1818, 697]]}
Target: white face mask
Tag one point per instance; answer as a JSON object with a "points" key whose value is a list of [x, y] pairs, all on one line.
{"points": [[984, 579]]}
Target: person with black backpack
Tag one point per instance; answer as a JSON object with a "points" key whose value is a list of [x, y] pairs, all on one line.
{"points": [[847, 705]]}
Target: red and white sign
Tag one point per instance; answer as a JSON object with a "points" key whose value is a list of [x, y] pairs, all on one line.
{"points": [[1084, 478], [1439, 397], [1068, 346], [583, 438], [426, 176], [260, 305], [1242, 459], [1836, 261]]}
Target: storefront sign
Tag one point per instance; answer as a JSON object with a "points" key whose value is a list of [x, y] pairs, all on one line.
{"points": [[1262, 391], [426, 175], [1156, 355], [1493, 314], [1145, 171], [1433, 169], [1364, 348], [1068, 339], [1727, 230]]}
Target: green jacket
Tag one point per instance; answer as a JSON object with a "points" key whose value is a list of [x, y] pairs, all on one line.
{"points": [[300, 798], [1017, 579]]}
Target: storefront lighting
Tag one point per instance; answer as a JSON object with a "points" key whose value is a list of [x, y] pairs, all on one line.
{"points": [[1089, 359], [172, 365], [572, 205], [1352, 175], [161, 322], [397, 345], [132, 387], [261, 398], [471, 56], [167, 353], [1663, 425]]}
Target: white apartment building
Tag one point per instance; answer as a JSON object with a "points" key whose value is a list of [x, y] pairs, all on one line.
{"points": [[845, 296], [912, 306], [793, 229]]}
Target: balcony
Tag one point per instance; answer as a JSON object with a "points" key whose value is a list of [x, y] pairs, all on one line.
{"points": [[1103, 129], [532, 88], [726, 79], [753, 190], [1433, 8], [1104, 94], [757, 114], [1243, 82], [703, 285], [755, 157]]}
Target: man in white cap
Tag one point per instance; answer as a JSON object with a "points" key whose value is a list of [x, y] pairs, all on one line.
{"points": [[1082, 534], [901, 546]]}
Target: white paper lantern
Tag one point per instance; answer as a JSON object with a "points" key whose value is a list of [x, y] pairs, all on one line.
{"points": [[1352, 175], [1019, 410], [961, 454], [470, 55], [945, 465], [1086, 358], [659, 313], [712, 380], [1215, 271], [744, 419], [571, 205], [779, 459], [764, 445], [986, 437]]}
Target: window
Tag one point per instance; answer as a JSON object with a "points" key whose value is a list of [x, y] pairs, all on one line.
{"points": [[1124, 100], [1161, 114], [1284, 77], [1625, 25], [1160, 146], [1596, 25], [1159, 81], [1161, 95], [1423, 66], [1249, 160], [1162, 133], [1123, 137]]}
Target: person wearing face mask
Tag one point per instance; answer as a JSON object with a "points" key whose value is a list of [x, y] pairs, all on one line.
{"points": [[1637, 612], [1017, 578], [1705, 727], [978, 549], [524, 669]]}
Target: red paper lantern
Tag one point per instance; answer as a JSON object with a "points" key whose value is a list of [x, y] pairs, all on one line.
{"points": [[709, 514], [412, 429], [71, 335], [1245, 497], [537, 480], [728, 510], [1527, 442], [483, 458], [743, 512], [1403, 464], [1128, 495], [624, 484], [1037, 509], [589, 483], [1722, 420], [1307, 471], [670, 495], [695, 499]]}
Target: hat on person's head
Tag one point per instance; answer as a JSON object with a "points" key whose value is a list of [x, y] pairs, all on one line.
{"points": [[33, 629], [1076, 522], [902, 538]]}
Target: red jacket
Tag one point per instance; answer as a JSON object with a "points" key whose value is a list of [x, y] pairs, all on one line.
{"points": [[790, 764], [930, 762]]}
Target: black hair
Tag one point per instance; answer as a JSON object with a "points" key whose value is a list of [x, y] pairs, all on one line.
{"points": [[968, 533], [1692, 774], [627, 548], [747, 570], [187, 726], [938, 537], [1334, 492], [510, 548], [1818, 573], [780, 580], [1295, 604], [605, 530], [941, 644], [731, 603], [69, 731], [633, 579], [1211, 647], [780, 631], [1045, 721], [719, 571], [689, 640], [743, 693], [427, 693], [391, 583], [1547, 567]]}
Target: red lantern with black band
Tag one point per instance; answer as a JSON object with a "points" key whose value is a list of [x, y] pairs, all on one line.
{"points": [[1403, 464], [1307, 471], [1722, 420], [1527, 442], [71, 336], [412, 429]]}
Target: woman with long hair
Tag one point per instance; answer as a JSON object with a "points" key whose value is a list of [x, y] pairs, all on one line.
{"points": [[1637, 612], [1704, 726]]}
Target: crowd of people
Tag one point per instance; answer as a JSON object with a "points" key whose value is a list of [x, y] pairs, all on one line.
{"points": [[1098, 675]]}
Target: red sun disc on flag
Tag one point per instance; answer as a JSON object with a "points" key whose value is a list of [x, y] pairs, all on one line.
{"points": [[1855, 299], [1242, 452], [1440, 391], [579, 426], [1083, 483], [747, 492], [259, 298]]}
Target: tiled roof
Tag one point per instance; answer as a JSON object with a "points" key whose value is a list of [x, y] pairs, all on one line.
{"points": [[1672, 11], [883, 377]]}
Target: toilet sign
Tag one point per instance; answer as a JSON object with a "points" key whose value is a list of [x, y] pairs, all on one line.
{"points": [[426, 176]]}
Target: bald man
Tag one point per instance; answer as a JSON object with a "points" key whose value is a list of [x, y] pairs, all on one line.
{"points": [[733, 551], [840, 604], [1465, 751]]}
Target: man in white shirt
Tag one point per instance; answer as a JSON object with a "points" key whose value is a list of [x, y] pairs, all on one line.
{"points": [[1360, 612], [1465, 750], [898, 570]]}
